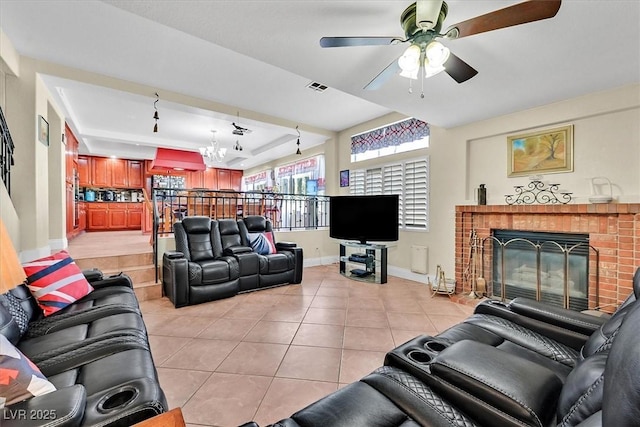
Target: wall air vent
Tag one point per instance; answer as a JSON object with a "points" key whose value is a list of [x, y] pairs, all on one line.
{"points": [[318, 87]]}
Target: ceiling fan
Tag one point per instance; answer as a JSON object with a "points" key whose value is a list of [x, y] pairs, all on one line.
{"points": [[422, 22]]}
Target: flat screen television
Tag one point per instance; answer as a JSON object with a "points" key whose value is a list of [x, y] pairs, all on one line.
{"points": [[364, 218]]}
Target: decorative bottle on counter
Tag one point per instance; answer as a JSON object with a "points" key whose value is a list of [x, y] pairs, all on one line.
{"points": [[482, 195]]}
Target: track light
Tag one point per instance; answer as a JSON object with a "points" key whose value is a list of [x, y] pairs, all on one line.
{"points": [[298, 152], [155, 114], [237, 147]]}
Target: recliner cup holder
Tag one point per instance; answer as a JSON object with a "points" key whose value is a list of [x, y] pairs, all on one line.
{"points": [[419, 356], [435, 346], [117, 399]]}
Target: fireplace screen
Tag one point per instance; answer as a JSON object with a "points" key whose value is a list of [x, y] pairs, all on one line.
{"points": [[549, 267]]}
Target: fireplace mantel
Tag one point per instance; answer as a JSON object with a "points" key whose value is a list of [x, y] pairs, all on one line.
{"points": [[613, 228]]}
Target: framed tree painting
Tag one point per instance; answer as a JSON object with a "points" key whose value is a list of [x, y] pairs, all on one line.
{"points": [[546, 151]]}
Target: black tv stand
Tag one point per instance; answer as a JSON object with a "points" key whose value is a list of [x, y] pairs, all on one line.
{"points": [[363, 262]]}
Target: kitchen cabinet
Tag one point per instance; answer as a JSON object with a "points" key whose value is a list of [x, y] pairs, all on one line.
{"points": [[70, 205], [104, 172], [82, 216], [195, 179], [117, 216], [135, 174], [236, 179], [134, 216], [101, 216], [207, 178], [100, 172], [119, 173], [84, 171], [97, 216], [224, 179]]}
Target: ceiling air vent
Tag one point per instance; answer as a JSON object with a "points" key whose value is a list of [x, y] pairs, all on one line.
{"points": [[318, 87]]}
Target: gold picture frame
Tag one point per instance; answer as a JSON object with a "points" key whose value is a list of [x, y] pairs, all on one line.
{"points": [[540, 152]]}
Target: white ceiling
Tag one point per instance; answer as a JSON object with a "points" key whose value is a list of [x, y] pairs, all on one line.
{"points": [[256, 57]]}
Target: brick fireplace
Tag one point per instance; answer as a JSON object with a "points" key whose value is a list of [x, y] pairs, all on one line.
{"points": [[613, 230]]}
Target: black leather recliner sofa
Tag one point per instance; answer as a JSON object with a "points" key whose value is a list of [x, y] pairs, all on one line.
{"points": [[95, 352], [517, 364], [214, 259]]}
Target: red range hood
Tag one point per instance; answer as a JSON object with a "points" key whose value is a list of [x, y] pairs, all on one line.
{"points": [[168, 159]]}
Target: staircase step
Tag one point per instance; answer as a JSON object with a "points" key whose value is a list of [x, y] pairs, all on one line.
{"points": [[115, 262], [138, 273], [148, 290]]}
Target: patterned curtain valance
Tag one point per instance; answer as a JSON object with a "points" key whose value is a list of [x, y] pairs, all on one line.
{"points": [[395, 134]]}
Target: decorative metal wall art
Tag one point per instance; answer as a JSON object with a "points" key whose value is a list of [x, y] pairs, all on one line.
{"points": [[538, 192]]}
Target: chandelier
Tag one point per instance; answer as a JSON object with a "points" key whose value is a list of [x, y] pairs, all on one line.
{"points": [[213, 152]]}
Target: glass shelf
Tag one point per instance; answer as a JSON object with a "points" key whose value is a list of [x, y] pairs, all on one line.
{"points": [[363, 262]]}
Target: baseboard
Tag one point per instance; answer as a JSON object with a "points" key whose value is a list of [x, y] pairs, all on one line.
{"points": [[31, 254], [58, 244], [313, 262]]}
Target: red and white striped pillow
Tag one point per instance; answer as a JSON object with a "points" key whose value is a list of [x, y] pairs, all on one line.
{"points": [[56, 281]]}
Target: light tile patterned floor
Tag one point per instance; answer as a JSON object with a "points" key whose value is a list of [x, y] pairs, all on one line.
{"points": [[263, 355]]}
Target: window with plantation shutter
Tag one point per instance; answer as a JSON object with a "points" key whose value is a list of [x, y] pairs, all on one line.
{"points": [[416, 194], [356, 182], [409, 180], [373, 184], [393, 183]]}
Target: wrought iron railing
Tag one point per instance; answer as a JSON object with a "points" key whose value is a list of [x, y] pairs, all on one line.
{"points": [[285, 211], [6, 152]]}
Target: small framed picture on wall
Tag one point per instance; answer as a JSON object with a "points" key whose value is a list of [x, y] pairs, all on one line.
{"points": [[43, 131], [344, 178]]}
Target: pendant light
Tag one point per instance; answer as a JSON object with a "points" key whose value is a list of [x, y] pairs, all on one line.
{"points": [[155, 114], [298, 152]]}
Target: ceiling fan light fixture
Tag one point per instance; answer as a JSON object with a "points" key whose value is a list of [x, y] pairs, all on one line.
{"points": [[430, 71], [413, 74], [437, 54], [410, 59]]}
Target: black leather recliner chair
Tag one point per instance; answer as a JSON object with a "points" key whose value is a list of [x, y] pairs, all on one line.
{"points": [[198, 271], [284, 266]]}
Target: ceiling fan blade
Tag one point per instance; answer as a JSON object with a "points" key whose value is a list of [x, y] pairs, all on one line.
{"points": [[357, 41], [384, 75], [459, 70], [521, 13]]}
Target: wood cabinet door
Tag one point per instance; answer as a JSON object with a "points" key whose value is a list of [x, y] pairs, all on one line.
{"points": [[119, 173], [224, 179], [82, 224], [84, 171], [210, 179], [70, 204], [100, 172], [118, 218], [194, 179], [236, 179], [136, 174], [134, 217], [97, 218]]}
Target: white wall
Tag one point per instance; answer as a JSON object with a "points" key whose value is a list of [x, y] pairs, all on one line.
{"points": [[606, 143]]}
